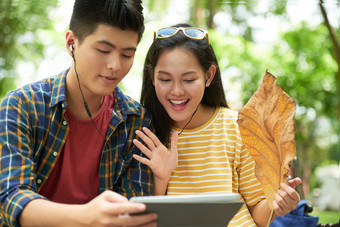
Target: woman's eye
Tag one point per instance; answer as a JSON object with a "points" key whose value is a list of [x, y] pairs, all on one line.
{"points": [[164, 80], [189, 81]]}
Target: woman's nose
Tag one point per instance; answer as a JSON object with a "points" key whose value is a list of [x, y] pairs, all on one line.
{"points": [[177, 88]]}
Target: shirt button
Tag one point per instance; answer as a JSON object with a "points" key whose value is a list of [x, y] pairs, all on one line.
{"points": [[63, 105], [39, 181], [64, 122], [55, 154]]}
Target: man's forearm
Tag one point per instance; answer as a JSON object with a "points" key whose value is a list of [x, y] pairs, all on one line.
{"points": [[40, 212]]}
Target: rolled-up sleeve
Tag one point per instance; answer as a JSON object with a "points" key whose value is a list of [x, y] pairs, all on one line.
{"points": [[17, 182]]}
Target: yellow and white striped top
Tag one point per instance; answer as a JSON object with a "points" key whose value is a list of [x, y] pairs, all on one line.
{"points": [[212, 159]]}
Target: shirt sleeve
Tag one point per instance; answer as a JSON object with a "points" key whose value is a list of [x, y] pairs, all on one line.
{"points": [[17, 178], [248, 185]]}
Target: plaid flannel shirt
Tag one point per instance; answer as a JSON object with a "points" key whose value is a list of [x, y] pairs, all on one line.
{"points": [[33, 131]]}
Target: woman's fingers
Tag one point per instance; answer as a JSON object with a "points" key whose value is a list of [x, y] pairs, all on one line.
{"points": [[294, 182], [292, 195], [146, 139], [152, 136], [145, 161], [286, 199], [143, 148]]}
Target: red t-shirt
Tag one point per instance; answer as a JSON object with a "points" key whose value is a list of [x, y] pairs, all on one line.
{"points": [[75, 177]]}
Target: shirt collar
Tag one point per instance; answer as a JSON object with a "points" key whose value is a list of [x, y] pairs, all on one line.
{"points": [[125, 104], [59, 88]]}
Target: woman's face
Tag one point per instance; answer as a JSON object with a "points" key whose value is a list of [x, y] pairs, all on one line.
{"points": [[179, 82]]}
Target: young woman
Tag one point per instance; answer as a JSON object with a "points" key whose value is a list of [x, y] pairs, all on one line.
{"points": [[182, 88]]}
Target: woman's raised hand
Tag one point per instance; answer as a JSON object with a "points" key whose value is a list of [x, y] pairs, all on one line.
{"points": [[286, 198], [160, 160]]}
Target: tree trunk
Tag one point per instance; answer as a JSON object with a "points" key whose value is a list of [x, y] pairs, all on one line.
{"points": [[212, 12], [336, 47]]}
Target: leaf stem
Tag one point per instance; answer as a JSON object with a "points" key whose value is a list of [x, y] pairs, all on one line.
{"points": [[270, 218]]}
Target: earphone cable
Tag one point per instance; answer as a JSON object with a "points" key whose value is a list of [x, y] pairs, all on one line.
{"points": [[189, 120], [192, 114], [85, 103]]}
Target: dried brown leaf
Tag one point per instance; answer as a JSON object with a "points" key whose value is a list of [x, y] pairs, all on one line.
{"points": [[267, 128]]}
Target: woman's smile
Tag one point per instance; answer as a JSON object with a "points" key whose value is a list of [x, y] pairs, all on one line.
{"points": [[179, 105]]}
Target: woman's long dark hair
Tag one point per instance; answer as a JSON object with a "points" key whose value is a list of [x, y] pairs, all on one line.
{"points": [[213, 95]]}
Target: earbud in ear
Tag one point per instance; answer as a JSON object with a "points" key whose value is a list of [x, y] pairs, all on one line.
{"points": [[206, 82], [72, 48]]}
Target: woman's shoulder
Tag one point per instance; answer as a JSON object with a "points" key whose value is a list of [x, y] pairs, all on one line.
{"points": [[228, 113], [228, 118]]}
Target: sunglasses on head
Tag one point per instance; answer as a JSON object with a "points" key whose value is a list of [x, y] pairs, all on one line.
{"points": [[190, 32]]}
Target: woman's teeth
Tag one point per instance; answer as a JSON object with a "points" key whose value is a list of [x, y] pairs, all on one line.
{"points": [[177, 102]]}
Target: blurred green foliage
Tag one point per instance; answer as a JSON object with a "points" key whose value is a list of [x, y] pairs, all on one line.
{"points": [[21, 22]]}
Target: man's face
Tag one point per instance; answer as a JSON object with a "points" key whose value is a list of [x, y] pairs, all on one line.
{"points": [[104, 58]]}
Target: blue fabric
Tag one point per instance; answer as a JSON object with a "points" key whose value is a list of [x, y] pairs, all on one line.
{"points": [[296, 218]]}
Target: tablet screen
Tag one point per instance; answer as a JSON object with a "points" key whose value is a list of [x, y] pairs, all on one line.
{"points": [[215, 210]]}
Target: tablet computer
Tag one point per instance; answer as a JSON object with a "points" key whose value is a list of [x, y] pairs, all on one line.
{"points": [[208, 210]]}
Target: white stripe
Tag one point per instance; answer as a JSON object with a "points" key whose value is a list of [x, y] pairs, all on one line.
{"points": [[255, 199], [191, 171], [253, 182], [207, 135], [12, 204], [195, 193], [246, 172], [244, 223], [222, 140], [204, 164], [201, 187], [204, 175], [201, 181], [204, 158], [205, 152]]}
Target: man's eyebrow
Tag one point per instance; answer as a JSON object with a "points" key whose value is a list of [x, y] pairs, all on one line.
{"points": [[113, 46]]}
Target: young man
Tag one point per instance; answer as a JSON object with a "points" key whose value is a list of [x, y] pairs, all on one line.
{"points": [[66, 141]]}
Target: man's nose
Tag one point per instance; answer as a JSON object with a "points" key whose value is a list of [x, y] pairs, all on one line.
{"points": [[114, 62]]}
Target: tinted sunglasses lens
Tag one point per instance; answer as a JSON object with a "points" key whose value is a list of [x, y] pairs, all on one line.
{"points": [[166, 32], [194, 33]]}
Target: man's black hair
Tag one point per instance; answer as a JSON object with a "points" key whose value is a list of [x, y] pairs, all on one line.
{"points": [[123, 14]]}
